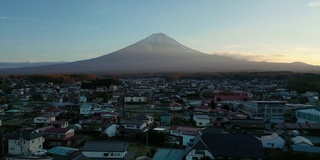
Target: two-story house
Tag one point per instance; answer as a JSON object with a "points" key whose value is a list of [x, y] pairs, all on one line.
{"points": [[145, 118], [201, 120], [135, 98], [58, 137], [134, 126], [85, 109], [25, 142], [186, 133]]}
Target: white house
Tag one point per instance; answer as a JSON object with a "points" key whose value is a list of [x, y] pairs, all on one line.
{"points": [[25, 142], [135, 98], [175, 106], [186, 133], [111, 130], [46, 118], [201, 120], [134, 126], [85, 109], [272, 141], [106, 150]]}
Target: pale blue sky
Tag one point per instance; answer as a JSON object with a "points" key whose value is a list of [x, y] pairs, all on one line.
{"points": [[70, 30]]}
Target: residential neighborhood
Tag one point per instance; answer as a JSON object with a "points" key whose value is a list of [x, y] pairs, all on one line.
{"points": [[156, 118]]}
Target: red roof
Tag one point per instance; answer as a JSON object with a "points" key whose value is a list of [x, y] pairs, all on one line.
{"points": [[47, 115], [175, 104]]}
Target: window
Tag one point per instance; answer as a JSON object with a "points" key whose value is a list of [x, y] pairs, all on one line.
{"points": [[200, 152], [316, 118], [117, 154], [40, 146], [200, 123]]}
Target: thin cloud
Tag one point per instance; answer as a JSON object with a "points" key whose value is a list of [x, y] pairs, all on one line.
{"points": [[250, 56], [314, 4]]}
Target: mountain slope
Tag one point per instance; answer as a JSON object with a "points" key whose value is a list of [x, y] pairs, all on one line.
{"points": [[160, 53]]}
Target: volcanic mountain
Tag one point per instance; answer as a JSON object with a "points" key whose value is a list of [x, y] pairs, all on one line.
{"points": [[160, 53]]}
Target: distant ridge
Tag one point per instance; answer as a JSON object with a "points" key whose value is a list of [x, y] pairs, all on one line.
{"points": [[159, 53]]}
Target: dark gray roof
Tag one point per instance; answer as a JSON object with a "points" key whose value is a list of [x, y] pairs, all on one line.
{"points": [[142, 117], [229, 145], [105, 146], [25, 134], [133, 122]]}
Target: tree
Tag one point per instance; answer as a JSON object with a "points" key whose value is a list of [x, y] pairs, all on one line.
{"points": [[212, 104]]}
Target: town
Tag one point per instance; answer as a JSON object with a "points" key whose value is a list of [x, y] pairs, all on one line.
{"points": [[79, 117]]}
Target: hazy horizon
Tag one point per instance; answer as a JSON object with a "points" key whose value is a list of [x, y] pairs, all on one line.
{"points": [[67, 31]]}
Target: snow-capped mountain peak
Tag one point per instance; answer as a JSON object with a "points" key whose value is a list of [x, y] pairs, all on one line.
{"points": [[160, 41]]}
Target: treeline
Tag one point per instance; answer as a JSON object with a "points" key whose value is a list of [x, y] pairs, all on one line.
{"points": [[233, 75], [305, 82], [54, 78], [103, 82]]}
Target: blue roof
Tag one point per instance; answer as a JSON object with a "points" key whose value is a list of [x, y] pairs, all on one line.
{"points": [[309, 149], [63, 151], [164, 153]]}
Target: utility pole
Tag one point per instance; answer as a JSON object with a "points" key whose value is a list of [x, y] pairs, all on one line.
{"points": [[2, 144], [21, 140]]}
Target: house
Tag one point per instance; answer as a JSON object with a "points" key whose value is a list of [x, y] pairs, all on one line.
{"points": [[46, 118], [109, 117], [145, 118], [107, 150], [66, 153], [224, 146], [85, 109], [201, 120], [25, 142], [175, 107], [203, 109], [186, 133], [111, 130], [302, 141], [59, 137], [165, 119], [60, 123], [272, 141], [134, 126], [135, 98], [91, 120]]}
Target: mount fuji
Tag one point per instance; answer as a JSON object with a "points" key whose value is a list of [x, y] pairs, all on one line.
{"points": [[160, 53]]}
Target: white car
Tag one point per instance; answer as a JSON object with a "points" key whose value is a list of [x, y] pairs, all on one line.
{"points": [[40, 152]]}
